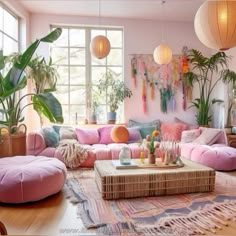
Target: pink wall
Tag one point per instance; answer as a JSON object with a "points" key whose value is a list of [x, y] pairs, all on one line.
{"points": [[140, 37]]}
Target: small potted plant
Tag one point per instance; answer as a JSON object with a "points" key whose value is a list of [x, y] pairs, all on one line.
{"points": [[115, 91]]}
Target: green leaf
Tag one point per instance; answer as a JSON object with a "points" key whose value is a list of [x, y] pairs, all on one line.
{"points": [[217, 101], [53, 36], [49, 106], [2, 63]]}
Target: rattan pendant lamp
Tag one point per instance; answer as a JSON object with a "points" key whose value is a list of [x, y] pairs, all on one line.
{"points": [[215, 24], [162, 54], [100, 45]]}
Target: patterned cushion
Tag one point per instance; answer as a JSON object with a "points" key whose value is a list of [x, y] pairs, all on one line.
{"points": [[67, 133], [119, 134]]}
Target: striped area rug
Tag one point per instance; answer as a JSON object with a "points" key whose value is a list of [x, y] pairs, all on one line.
{"points": [[183, 214]]}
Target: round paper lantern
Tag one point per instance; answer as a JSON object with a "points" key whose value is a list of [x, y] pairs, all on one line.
{"points": [[162, 54], [100, 46], [215, 24]]}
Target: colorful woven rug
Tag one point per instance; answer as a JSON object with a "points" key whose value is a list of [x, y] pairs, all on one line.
{"points": [[183, 214]]}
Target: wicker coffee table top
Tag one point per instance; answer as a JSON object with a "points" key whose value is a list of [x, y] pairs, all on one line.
{"points": [[106, 168]]}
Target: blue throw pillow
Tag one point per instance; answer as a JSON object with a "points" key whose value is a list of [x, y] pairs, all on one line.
{"points": [[50, 136], [146, 130]]}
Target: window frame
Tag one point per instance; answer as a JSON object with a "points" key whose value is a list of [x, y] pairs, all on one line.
{"points": [[88, 66], [5, 8]]}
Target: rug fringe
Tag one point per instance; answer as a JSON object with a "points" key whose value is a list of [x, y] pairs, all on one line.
{"points": [[208, 218]]}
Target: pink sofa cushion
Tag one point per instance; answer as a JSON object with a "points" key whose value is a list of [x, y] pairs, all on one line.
{"points": [[105, 134], [87, 136], [30, 178], [172, 131]]}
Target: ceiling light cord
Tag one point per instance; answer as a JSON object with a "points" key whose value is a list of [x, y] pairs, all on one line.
{"points": [[162, 22], [99, 12]]}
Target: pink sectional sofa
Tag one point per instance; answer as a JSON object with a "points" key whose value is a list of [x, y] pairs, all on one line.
{"points": [[104, 149], [209, 148]]}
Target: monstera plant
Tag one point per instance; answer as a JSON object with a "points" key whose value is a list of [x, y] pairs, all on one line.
{"points": [[13, 99], [206, 73], [11, 102]]}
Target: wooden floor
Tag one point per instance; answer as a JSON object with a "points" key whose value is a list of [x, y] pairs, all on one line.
{"points": [[56, 216]]}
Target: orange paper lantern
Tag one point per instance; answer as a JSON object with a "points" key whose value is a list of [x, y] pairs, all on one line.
{"points": [[215, 24], [162, 54], [100, 46]]}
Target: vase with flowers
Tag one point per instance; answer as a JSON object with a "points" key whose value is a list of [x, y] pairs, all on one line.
{"points": [[151, 146]]}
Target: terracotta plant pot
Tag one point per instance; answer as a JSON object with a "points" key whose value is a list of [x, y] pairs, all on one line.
{"points": [[151, 158]]}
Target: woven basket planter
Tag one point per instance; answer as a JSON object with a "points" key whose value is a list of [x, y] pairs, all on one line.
{"points": [[13, 141]]}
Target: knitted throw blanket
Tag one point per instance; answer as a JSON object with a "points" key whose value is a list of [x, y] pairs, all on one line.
{"points": [[74, 154]]}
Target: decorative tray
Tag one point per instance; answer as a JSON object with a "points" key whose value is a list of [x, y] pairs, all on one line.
{"points": [[159, 164]]}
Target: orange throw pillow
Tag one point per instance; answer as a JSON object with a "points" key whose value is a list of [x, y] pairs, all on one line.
{"points": [[119, 134]]}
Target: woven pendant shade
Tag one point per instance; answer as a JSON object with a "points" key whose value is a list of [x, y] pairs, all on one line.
{"points": [[100, 46], [162, 54], [215, 24]]}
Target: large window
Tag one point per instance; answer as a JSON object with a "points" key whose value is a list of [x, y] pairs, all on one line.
{"points": [[80, 72], [9, 36]]}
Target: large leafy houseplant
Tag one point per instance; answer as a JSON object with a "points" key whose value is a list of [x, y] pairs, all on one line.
{"points": [[114, 89], [15, 80], [207, 72], [44, 75]]}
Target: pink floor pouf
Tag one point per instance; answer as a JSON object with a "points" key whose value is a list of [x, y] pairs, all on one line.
{"points": [[30, 178]]}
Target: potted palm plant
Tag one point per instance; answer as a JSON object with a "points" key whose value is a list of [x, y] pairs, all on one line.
{"points": [[13, 104], [115, 91], [207, 72], [44, 76]]}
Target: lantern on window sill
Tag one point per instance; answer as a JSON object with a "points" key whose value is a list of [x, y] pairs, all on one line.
{"points": [[215, 24], [100, 46], [162, 54]]}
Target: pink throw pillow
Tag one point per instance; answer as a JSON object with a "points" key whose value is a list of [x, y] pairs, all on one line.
{"points": [[208, 136], [189, 136], [105, 134], [172, 131], [87, 136]]}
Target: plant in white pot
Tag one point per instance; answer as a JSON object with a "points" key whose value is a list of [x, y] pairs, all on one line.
{"points": [[12, 103], [115, 91]]}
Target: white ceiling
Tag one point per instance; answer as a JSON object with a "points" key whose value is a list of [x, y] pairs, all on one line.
{"points": [[171, 10]]}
